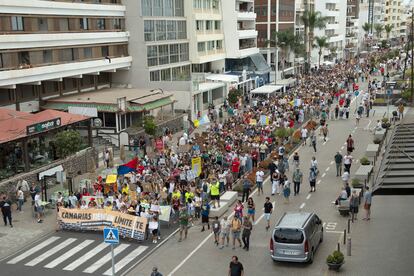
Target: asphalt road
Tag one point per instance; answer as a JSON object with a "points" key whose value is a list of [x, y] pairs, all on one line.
{"points": [[199, 256]]}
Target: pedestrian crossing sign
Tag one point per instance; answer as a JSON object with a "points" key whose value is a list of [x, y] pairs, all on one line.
{"points": [[111, 235]]}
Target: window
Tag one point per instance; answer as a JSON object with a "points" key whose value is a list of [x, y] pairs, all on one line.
{"points": [[182, 30], [161, 34], [209, 26], [163, 55], [17, 23], [174, 53], [105, 51], [152, 56], [197, 4], [179, 7], [175, 73], [171, 30], [66, 54], [199, 25], [1, 60], [100, 24], [210, 45], [24, 57], [217, 25], [47, 56], [292, 236], [155, 76], [87, 52], [201, 46], [149, 30], [83, 23], [146, 7], [116, 23], [63, 24], [184, 56], [168, 8], [158, 8], [166, 75], [42, 23], [185, 72], [110, 120], [219, 44]]}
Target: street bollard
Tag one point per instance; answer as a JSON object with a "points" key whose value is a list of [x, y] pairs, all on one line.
{"points": [[344, 236], [349, 226], [339, 247], [348, 247]]}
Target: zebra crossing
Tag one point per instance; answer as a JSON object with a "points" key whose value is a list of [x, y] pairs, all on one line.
{"points": [[76, 255]]}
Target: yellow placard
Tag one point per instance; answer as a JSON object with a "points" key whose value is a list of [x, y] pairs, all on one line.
{"points": [[196, 166], [253, 122], [111, 178], [196, 123]]}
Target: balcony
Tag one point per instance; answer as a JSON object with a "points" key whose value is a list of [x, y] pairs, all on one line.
{"points": [[248, 52], [33, 7], [62, 70], [246, 15], [242, 34], [332, 26], [25, 41]]}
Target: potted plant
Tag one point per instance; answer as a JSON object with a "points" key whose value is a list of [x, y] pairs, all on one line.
{"points": [[377, 141], [385, 124], [364, 161], [335, 260], [356, 183]]}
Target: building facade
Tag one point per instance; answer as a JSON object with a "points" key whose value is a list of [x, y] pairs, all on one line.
{"points": [[352, 28], [53, 48], [275, 16], [394, 10]]}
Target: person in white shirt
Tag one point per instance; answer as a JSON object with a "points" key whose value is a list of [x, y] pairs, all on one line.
{"points": [[39, 207], [20, 198], [259, 181], [347, 163], [304, 134]]}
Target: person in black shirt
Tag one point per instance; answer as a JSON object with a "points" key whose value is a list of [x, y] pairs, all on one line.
{"points": [[268, 208], [5, 205], [236, 268]]}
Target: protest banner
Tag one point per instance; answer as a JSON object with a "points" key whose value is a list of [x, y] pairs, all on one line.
{"points": [[129, 226], [165, 213], [196, 166]]}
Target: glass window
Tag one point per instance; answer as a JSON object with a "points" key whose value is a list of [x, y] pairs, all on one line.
{"points": [[182, 29], [63, 24], [100, 24], [155, 76], [158, 8], [219, 44], [215, 4], [163, 55], [47, 56], [149, 30], [83, 23], [209, 25], [292, 236], [161, 28], [105, 51], [184, 56], [146, 7], [174, 53], [17, 23], [179, 7], [66, 55], [206, 4], [201, 46], [116, 23], [171, 30], [166, 75], [110, 120], [199, 25], [185, 72], [197, 4], [87, 52], [152, 55], [175, 73], [168, 7], [217, 25], [210, 45]]}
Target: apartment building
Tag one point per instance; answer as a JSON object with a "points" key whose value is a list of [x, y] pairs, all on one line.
{"points": [[394, 10], [335, 30], [53, 48], [274, 16], [352, 29]]}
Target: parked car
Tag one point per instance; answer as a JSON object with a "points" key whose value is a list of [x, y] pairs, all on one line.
{"points": [[296, 237]]}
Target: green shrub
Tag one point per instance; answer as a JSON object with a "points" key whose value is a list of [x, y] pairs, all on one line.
{"points": [[336, 258], [67, 142], [149, 125], [364, 161]]}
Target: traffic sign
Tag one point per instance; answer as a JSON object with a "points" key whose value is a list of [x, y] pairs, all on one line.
{"points": [[356, 92], [111, 235]]}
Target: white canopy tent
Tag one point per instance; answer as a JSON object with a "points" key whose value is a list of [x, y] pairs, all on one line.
{"points": [[266, 90]]}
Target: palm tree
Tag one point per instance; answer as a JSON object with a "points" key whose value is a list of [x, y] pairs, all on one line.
{"points": [[286, 40], [321, 43], [366, 27], [311, 20], [388, 28], [378, 30]]}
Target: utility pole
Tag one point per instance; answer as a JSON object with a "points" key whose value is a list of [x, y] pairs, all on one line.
{"points": [[276, 41]]}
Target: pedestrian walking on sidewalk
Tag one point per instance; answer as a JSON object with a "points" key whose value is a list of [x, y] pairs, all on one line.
{"points": [[268, 209], [367, 203], [155, 272], [297, 180], [353, 205], [247, 230], [350, 144], [205, 211], [251, 208], [5, 206], [286, 190], [216, 226], [247, 184], [304, 135], [236, 226], [236, 267], [347, 163], [225, 226], [325, 131], [313, 142], [184, 218], [259, 181], [338, 162], [20, 198]]}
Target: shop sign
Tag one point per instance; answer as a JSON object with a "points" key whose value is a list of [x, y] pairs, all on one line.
{"points": [[43, 126]]}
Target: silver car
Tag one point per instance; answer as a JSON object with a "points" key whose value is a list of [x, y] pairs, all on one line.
{"points": [[296, 237]]}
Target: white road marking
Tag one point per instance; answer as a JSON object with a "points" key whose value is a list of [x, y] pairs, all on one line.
{"points": [[323, 175], [331, 162], [319, 181], [50, 252], [328, 168], [308, 196], [335, 232], [331, 226], [32, 250], [127, 259], [86, 257], [99, 263], [69, 254], [302, 205], [367, 127]]}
